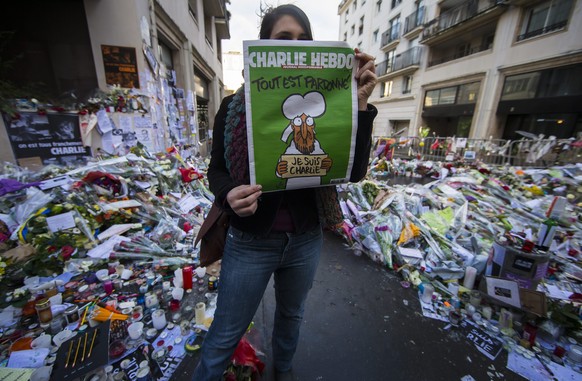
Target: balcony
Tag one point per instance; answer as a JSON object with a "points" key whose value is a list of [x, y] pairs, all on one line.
{"points": [[216, 8], [461, 19], [391, 37], [464, 53], [413, 23], [403, 63]]}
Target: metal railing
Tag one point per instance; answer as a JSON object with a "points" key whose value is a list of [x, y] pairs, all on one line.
{"points": [[401, 61], [544, 30], [525, 152], [391, 34], [456, 15], [414, 20]]}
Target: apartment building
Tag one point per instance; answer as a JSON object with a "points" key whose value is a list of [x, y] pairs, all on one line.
{"points": [[172, 48], [476, 68]]}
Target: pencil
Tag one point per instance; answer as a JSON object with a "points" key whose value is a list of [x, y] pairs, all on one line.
{"points": [[84, 348], [69, 354], [77, 352], [92, 342]]}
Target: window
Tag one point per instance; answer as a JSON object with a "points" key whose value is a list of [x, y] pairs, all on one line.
{"points": [[407, 84], [345, 36], [347, 16], [396, 3], [390, 60], [468, 93], [192, 8], [355, 4], [375, 35], [361, 27], [554, 82], [545, 17], [386, 89], [521, 86], [378, 6], [442, 96], [353, 29], [394, 28]]}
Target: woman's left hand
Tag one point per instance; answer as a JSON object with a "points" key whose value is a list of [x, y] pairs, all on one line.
{"points": [[365, 77]]}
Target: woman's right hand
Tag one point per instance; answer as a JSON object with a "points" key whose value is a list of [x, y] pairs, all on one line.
{"points": [[243, 200]]}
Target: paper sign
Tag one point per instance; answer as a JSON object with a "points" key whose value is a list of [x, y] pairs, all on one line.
{"points": [[301, 110], [504, 290], [61, 222], [103, 122], [187, 203]]}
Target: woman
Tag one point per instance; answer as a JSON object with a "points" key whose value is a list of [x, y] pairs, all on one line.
{"points": [[273, 233]]}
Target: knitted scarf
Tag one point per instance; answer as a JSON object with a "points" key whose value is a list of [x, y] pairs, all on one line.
{"points": [[237, 161]]}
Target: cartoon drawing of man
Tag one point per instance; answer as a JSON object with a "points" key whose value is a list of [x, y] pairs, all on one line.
{"points": [[304, 161]]}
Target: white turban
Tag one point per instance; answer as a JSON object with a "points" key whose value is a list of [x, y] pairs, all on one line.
{"points": [[312, 104]]}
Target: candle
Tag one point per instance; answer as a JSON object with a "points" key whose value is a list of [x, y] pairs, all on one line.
{"points": [[187, 277], [108, 286], [159, 319], [200, 313], [470, 274], [487, 312], [475, 298]]}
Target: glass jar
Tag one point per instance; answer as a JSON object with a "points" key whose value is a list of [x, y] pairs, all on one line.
{"points": [[72, 314], [43, 309]]}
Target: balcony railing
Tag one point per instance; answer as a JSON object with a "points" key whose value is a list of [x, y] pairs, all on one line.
{"points": [[476, 49], [544, 30], [414, 20], [457, 15], [391, 35], [411, 57]]}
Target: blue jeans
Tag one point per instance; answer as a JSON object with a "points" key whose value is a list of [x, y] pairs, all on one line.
{"points": [[247, 265]]}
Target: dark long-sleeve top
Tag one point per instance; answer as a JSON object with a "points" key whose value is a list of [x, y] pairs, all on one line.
{"points": [[301, 203]]}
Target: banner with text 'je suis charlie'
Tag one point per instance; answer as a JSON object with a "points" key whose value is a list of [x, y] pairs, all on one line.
{"points": [[301, 110]]}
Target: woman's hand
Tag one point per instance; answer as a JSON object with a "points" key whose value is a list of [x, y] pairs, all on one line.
{"points": [[244, 199], [365, 77]]}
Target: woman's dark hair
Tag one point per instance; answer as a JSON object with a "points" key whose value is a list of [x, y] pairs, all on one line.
{"points": [[272, 15]]}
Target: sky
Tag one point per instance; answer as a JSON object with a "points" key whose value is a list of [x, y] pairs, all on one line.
{"points": [[244, 22]]}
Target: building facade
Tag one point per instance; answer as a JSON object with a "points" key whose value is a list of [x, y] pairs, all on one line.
{"points": [[476, 68], [172, 48]]}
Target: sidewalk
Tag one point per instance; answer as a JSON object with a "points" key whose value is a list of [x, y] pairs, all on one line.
{"points": [[361, 325]]}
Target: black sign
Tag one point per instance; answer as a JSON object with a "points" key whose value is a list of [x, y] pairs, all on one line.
{"points": [[53, 138]]}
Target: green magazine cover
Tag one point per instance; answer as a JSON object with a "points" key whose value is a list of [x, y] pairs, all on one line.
{"points": [[301, 110]]}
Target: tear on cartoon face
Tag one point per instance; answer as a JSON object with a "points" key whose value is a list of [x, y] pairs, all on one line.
{"points": [[301, 111]]}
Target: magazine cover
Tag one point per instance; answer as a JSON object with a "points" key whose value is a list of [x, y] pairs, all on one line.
{"points": [[301, 110]]}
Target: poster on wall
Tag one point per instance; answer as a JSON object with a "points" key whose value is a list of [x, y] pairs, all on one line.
{"points": [[120, 65], [301, 111], [46, 139]]}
